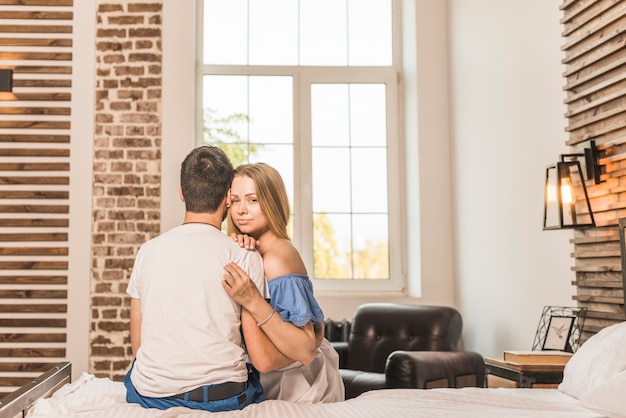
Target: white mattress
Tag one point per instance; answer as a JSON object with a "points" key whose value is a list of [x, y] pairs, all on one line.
{"points": [[98, 397]]}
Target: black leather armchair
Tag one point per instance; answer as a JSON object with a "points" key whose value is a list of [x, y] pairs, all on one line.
{"points": [[406, 346]]}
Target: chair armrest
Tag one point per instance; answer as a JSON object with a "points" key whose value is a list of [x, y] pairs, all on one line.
{"points": [[342, 349], [432, 369]]}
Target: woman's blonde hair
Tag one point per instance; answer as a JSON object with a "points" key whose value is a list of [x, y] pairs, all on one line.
{"points": [[271, 195]]}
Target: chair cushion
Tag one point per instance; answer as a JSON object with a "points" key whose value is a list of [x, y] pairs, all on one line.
{"points": [[357, 382]]}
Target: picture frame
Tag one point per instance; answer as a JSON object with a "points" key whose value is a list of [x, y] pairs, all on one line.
{"points": [[558, 333], [564, 319]]}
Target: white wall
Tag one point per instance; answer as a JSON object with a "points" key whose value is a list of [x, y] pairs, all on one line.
{"points": [[79, 236], [507, 125], [486, 119]]}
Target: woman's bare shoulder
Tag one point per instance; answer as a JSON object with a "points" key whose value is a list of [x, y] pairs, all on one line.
{"points": [[282, 259]]}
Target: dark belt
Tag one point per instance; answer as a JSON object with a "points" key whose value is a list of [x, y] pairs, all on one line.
{"points": [[215, 392]]}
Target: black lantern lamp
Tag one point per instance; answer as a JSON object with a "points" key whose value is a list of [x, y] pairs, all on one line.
{"points": [[6, 80], [566, 203]]}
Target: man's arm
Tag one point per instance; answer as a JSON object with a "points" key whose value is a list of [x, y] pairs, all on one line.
{"points": [[135, 325]]}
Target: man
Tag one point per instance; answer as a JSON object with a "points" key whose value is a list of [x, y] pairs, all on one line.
{"points": [[184, 328]]}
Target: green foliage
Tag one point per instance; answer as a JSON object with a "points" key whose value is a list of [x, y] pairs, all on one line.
{"points": [[371, 262], [223, 133], [326, 259]]}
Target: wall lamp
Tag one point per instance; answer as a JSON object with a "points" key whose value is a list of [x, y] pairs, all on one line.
{"points": [[6, 80], [566, 203]]}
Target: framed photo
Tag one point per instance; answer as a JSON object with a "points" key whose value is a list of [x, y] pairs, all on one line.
{"points": [[558, 333], [560, 328]]}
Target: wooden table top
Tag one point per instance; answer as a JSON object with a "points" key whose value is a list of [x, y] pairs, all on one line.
{"points": [[524, 367]]}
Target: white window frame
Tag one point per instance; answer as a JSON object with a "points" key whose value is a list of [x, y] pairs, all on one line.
{"points": [[304, 77]]}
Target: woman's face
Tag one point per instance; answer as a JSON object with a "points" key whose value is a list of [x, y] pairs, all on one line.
{"points": [[245, 210]]}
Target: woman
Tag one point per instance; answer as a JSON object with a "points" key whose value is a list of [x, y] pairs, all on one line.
{"points": [[294, 365]]}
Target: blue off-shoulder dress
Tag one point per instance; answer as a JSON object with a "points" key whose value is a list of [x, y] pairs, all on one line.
{"points": [[319, 381]]}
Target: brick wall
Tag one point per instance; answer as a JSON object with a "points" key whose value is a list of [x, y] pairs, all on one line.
{"points": [[127, 168]]}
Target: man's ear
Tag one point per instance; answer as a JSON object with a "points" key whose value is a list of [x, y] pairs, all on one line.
{"points": [[180, 194], [228, 198]]}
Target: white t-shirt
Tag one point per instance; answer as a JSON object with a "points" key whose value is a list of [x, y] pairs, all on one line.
{"points": [[190, 330]]}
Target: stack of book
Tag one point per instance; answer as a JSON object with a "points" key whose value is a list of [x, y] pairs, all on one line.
{"points": [[536, 357]]}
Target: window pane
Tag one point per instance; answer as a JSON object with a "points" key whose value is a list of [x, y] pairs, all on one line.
{"points": [[369, 180], [271, 109], [370, 40], [341, 161], [329, 115], [273, 32], [332, 246], [370, 247], [304, 32], [368, 115], [225, 37], [323, 32], [225, 109], [331, 180]]}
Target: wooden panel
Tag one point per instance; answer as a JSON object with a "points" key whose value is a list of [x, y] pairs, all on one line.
{"points": [[33, 251], [42, 279], [33, 308], [10, 124], [36, 15], [34, 223], [34, 208], [35, 138], [36, 110], [35, 194], [45, 84], [33, 265], [35, 29], [37, 2], [52, 236], [34, 167], [32, 352], [34, 152], [42, 69], [26, 367], [46, 97], [33, 294], [595, 82], [36, 41], [38, 56], [34, 180]]}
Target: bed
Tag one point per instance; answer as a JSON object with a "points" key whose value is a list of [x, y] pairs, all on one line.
{"points": [[593, 386]]}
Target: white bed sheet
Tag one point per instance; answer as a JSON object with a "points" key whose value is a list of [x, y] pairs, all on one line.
{"points": [[100, 397]]}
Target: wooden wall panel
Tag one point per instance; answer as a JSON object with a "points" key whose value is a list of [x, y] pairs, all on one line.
{"points": [[36, 42], [595, 81]]}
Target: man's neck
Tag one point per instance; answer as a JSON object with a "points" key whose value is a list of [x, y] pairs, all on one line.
{"points": [[213, 219]]}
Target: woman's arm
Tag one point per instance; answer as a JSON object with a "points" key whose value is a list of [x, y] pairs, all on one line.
{"points": [[263, 354], [296, 343]]}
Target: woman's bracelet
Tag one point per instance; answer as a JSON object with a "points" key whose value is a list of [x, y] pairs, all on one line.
{"points": [[260, 324]]}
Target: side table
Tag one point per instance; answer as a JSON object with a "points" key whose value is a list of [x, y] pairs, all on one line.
{"points": [[522, 375]]}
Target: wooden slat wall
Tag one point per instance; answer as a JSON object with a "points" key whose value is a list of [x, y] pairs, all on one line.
{"points": [[36, 42], [594, 32]]}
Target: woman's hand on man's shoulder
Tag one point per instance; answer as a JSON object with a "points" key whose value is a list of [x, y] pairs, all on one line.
{"points": [[245, 241]]}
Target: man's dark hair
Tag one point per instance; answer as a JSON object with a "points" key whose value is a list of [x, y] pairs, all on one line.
{"points": [[205, 177]]}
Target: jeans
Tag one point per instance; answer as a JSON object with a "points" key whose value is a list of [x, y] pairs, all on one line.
{"points": [[253, 394]]}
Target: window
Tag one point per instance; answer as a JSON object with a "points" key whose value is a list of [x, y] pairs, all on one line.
{"points": [[311, 88]]}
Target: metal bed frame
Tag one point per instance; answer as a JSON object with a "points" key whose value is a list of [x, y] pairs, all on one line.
{"points": [[16, 404]]}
